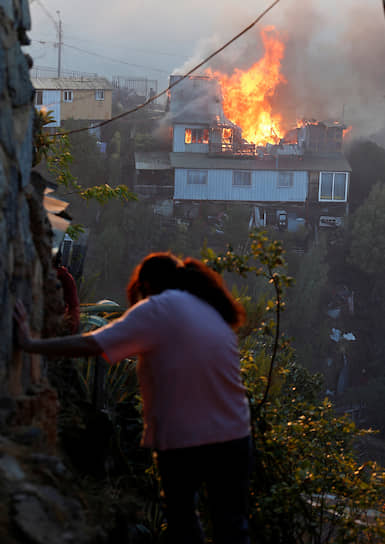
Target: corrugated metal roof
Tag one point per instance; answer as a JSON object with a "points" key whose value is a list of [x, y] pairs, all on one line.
{"points": [[332, 163], [66, 83], [54, 205], [152, 160]]}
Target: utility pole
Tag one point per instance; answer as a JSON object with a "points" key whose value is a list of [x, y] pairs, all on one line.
{"points": [[59, 45]]}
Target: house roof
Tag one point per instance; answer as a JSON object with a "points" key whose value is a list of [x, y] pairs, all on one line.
{"points": [[66, 83], [152, 160], [331, 163]]}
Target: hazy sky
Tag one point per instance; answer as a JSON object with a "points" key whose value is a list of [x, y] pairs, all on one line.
{"points": [[333, 46], [162, 35]]}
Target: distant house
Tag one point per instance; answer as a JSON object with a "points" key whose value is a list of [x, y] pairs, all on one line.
{"points": [[85, 99]]}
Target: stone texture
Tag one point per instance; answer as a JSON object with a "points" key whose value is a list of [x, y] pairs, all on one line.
{"points": [[19, 84], [8, 7], [25, 16], [7, 133], [2, 70], [44, 515], [25, 266]]}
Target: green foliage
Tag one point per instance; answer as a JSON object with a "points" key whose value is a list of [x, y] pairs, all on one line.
{"points": [[105, 193], [56, 150], [367, 160], [305, 302], [367, 240], [264, 258], [307, 486], [74, 231]]}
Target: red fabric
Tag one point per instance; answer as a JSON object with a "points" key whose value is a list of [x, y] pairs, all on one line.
{"points": [[71, 299]]}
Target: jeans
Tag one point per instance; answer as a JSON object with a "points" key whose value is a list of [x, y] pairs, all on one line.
{"points": [[225, 469]]}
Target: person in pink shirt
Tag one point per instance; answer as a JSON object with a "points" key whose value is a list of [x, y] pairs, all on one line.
{"points": [[181, 325]]}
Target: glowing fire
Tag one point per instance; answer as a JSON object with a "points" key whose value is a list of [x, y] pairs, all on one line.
{"points": [[347, 132], [188, 136], [246, 95]]}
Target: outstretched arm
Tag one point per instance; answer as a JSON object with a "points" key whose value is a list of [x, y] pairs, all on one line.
{"points": [[78, 345]]}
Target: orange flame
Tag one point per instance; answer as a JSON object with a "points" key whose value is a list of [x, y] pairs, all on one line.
{"points": [[188, 136], [227, 134], [347, 132], [246, 95]]}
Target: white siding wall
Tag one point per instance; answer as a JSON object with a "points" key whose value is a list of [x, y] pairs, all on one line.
{"points": [[51, 102], [181, 147], [264, 187]]}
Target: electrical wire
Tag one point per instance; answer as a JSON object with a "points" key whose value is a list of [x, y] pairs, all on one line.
{"points": [[112, 59], [132, 49], [182, 78], [49, 15]]}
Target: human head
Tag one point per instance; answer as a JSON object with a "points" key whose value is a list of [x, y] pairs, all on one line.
{"points": [[160, 271], [156, 273]]}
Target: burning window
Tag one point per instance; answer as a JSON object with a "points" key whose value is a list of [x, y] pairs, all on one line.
{"points": [[197, 177], [196, 136], [333, 186], [242, 178], [227, 135], [285, 179]]}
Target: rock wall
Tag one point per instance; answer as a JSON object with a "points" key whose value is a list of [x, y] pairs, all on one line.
{"points": [[18, 256], [25, 234]]}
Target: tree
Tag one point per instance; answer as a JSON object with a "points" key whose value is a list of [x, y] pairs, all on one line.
{"points": [[367, 250], [304, 305], [307, 485], [367, 160]]}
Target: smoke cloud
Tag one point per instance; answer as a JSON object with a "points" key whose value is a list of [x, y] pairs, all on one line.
{"points": [[333, 62]]}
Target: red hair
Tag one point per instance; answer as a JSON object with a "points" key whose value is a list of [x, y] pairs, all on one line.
{"points": [[160, 271]]}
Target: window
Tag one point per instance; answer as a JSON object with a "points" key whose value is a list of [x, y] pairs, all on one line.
{"points": [[285, 179], [333, 186], [196, 136], [99, 94], [68, 96], [39, 98], [197, 177], [242, 178]]}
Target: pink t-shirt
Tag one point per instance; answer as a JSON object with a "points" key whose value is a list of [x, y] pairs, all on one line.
{"points": [[188, 370]]}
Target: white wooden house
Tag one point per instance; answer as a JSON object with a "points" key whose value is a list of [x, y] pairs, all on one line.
{"points": [[304, 177], [211, 162]]}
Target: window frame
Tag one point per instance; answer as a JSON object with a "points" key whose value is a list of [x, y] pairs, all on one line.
{"points": [[99, 95], [333, 199], [198, 139], [283, 174], [70, 98], [194, 171], [39, 93], [242, 172]]}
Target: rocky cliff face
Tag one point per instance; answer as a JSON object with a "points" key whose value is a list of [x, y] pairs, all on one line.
{"points": [[25, 234], [18, 261]]}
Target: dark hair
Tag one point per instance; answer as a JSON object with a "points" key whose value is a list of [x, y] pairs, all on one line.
{"points": [[160, 271]]}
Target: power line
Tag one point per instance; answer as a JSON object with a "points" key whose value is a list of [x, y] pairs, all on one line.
{"points": [[49, 15], [147, 51], [194, 69], [112, 59], [93, 53]]}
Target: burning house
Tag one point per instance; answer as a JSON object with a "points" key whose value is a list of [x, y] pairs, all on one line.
{"points": [[228, 147], [303, 175]]}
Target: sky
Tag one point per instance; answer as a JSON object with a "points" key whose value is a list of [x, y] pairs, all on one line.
{"points": [[334, 48]]}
